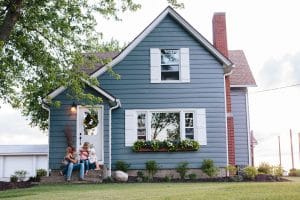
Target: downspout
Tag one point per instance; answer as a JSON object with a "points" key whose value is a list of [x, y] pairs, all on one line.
{"points": [[109, 134], [44, 106]]}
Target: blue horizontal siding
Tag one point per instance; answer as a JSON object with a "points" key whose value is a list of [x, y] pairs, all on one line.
{"points": [[239, 110], [206, 90]]}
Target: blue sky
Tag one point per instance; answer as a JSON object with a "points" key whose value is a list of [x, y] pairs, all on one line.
{"points": [[267, 31]]}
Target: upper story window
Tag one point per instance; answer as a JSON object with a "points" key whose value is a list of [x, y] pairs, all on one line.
{"points": [[170, 64]]}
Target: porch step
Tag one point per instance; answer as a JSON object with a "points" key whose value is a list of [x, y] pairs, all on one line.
{"points": [[92, 177]]}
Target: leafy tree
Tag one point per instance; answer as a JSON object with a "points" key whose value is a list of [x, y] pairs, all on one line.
{"points": [[43, 44]]}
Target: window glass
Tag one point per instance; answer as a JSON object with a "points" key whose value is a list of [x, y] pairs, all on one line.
{"points": [[165, 126], [170, 64], [141, 131], [189, 125]]}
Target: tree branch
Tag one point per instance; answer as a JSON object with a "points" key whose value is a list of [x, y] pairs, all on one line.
{"points": [[10, 20]]}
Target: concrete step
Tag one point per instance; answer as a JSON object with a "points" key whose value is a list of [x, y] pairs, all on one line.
{"points": [[93, 176]]}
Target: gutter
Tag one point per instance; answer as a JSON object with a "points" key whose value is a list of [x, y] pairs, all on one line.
{"points": [[109, 134], [46, 107]]}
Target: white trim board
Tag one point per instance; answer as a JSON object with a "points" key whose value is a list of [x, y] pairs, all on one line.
{"points": [[56, 92]]}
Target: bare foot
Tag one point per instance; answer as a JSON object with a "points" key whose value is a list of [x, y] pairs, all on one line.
{"points": [[97, 169]]}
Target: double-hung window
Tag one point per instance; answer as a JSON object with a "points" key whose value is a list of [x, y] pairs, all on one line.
{"points": [[169, 65]]}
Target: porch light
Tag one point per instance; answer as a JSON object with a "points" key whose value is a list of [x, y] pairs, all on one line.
{"points": [[73, 107]]}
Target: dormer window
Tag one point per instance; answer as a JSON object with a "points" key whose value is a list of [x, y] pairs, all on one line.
{"points": [[169, 65]]}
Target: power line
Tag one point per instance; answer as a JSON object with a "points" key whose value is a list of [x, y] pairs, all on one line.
{"points": [[277, 88]]}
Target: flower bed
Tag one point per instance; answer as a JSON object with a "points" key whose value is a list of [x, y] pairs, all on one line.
{"points": [[165, 146]]}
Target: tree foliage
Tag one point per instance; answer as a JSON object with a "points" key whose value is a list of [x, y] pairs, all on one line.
{"points": [[42, 46]]}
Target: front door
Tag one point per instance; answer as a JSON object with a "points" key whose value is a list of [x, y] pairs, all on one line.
{"points": [[90, 128]]}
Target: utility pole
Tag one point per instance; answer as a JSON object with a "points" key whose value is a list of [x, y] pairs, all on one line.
{"points": [[279, 151], [292, 152]]}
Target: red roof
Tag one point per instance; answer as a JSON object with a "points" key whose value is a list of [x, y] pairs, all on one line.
{"points": [[241, 73]]}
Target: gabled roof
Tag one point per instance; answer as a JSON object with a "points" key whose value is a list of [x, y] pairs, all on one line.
{"points": [[117, 57], [241, 74], [98, 89], [227, 64]]}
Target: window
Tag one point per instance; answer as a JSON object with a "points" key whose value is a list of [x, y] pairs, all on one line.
{"points": [[170, 64], [189, 125], [165, 126], [141, 130], [168, 124]]}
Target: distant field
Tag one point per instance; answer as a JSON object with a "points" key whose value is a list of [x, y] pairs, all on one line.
{"points": [[207, 191]]}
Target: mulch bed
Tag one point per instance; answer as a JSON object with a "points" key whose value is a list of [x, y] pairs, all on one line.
{"points": [[11, 185], [259, 178]]}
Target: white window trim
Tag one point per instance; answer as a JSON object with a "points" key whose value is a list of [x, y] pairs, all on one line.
{"points": [[182, 112], [155, 51]]}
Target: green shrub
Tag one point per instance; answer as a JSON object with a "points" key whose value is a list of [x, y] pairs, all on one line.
{"points": [[138, 145], [264, 168], [140, 174], [13, 178], [167, 179], [41, 172], [21, 174], [294, 172], [192, 176], [231, 169], [155, 144], [277, 171], [249, 172], [151, 167], [182, 169], [209, 168], [122, 166]]}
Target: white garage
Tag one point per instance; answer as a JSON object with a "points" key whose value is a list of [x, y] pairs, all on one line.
{"points": [[22, 157]]}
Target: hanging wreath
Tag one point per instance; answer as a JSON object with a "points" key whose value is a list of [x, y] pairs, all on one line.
{"points": [[91, 120]]}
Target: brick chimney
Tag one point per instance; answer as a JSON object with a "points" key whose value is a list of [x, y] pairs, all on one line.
{"points": [[220, 43]]}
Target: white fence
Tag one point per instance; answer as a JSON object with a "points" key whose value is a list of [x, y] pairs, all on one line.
{"points": [[22, 157]]}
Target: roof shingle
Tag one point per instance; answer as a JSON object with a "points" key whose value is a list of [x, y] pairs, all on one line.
{"points": [[241, 74]]}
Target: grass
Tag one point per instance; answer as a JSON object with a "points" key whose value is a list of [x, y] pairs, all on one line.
{"points": [[207, 191]]}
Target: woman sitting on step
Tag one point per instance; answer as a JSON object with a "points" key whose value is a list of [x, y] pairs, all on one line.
{"points": [[73, 164]]}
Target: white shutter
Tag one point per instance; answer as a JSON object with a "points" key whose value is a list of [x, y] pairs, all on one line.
{"points": [[200, 126], [185, 64], [155, 64], [130, 127]]}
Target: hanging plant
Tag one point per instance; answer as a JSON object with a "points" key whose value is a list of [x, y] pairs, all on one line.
{"points": [[91, 120]]}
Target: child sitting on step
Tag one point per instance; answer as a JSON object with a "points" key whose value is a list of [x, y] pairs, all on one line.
{"points": [[93, 159], [84, 156]]}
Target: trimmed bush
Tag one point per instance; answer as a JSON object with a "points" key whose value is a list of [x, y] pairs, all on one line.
{"points": [[122, 166], [264, 168], [249, 172], [294, 172], [21, 174], [231, 169], [151, 167], [182, 169], [192, 176], [41, 172], [13, 178], [277, 171], [209, 168]]}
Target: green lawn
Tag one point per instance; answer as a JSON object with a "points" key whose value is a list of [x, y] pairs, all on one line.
{"points": [[207, 191]]}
